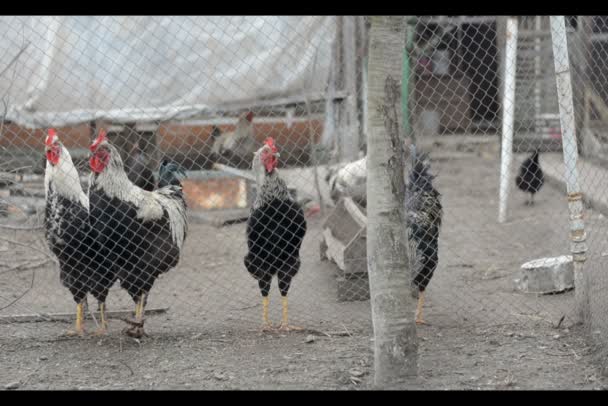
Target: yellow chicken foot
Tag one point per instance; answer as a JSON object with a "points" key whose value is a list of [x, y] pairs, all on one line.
{"points": [[137, 330], [284, 324], [103, 324], [419, 319], [79, 328], [266, 326]]}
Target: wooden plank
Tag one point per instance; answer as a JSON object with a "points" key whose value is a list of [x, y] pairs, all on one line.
{"points": [[67, 317], [234, 171], [355, 254], [220, 218], [355, 212], [335, 249]]}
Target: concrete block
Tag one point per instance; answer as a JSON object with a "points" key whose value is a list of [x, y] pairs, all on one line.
{"points": [[546, 275]]}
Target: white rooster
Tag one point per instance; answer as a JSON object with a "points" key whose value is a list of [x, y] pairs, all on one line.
{"points": [[83, 267], [143, 231], [348, 180]]}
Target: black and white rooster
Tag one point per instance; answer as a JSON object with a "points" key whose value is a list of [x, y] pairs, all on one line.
{"points": [[142, 231], [424, 213], [83, 267], [275, 231]]}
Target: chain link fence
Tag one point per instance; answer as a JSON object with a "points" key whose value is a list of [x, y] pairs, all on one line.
{"points": [[206, 92]]}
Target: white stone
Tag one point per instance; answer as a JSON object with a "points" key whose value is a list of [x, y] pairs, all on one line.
{"points": [[546, 275]]}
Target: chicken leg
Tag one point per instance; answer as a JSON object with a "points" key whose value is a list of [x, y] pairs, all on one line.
{"points": [[137, 329], [266, 326], [419, 319], [284, 323], [103, 324], [79, 328]]}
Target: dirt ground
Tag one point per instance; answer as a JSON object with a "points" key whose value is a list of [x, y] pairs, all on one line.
{"points": [[483, 334]]}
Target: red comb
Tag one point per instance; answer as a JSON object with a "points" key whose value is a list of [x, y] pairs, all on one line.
{"points": [[101, 137], [249, 116], [50, 138], [270, 142]]}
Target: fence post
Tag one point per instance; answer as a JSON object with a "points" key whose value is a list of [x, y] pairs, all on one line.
{"points": [[508, 117], [578, 246]]}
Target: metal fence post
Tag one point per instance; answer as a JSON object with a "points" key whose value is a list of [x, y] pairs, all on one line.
{"points": [[578, 246], [508, 117]]}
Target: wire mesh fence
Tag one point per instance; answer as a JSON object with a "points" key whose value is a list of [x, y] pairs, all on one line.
{"points": [[203, 94]]}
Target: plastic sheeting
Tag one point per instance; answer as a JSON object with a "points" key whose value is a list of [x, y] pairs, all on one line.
{"points": [[76, 69]]}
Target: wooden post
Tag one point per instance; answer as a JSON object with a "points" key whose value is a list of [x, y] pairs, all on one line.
{"points": [[581, 62], [361, 86], [92, 130], [347, 122], [125, 141], [350, 123]]}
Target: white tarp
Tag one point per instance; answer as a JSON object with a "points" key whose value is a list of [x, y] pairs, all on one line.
{"points": [[75, 69]]}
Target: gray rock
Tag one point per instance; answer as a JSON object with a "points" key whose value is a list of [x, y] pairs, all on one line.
{"points": [[546, 275]]}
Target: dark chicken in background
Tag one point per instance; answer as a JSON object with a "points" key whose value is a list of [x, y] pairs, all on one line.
{"points": [[531, 177], [167, 174], [424, 213], [142, 231], [137, 171], [83, 267], [275, 231]]}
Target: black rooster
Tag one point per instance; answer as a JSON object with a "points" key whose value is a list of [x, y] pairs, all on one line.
{"points": [[531, 177], [424, 213]]}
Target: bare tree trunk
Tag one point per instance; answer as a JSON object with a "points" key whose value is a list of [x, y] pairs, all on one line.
{"points": [[396, 346]]}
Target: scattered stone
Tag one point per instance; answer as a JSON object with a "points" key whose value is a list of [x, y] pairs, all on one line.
{"points": [[309, 339], [11, 386], [356, 373]]}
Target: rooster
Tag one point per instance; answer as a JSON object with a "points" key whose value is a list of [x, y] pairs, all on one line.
{"points": [[531, 176], [83, 267], [236, 147], [424, 213], [275, 231], [143, 231]]}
